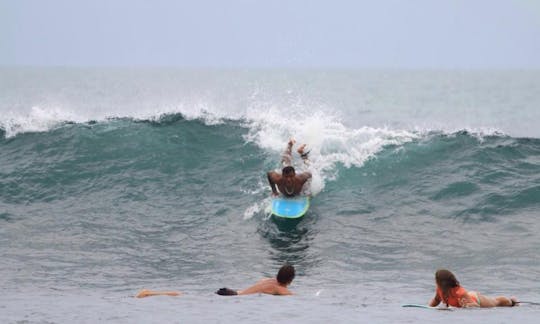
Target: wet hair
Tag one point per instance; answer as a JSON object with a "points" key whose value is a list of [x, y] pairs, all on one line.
{"points": [[287, 170], [286, 274], [226, 292], [445, 281]]}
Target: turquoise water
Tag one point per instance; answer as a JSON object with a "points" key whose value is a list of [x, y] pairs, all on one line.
{"points": [[116, 180]]}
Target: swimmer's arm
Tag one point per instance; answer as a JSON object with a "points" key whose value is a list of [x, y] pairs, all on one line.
{"points": [[286, 157], [305, 158], [271, 179], [305, 176], [435, 301], [290, 143], [147, 293]]}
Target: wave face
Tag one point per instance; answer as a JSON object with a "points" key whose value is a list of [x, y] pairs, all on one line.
{"points": [[114, 180], [174, 157]]}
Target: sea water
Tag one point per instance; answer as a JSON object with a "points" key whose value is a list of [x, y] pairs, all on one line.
{"points": [[115, 180]]}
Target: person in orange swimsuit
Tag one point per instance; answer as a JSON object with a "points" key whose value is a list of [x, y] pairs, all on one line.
{"points": [[450, 292]]}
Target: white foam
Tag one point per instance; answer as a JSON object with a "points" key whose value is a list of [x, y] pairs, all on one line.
{"points": [[476, 131], [330, 142], [257, 208], [270, 127], [38, 119], [48, 117]]}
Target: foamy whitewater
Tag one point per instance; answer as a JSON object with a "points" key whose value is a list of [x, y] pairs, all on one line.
{"points": [[114, 180]]}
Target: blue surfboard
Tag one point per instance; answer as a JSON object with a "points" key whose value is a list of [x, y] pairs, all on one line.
{"points": [[290, 207]]}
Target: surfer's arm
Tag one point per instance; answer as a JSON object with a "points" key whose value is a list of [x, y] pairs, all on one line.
{"points": [[286, 158], [270, 175], [305, 176], [304, 155], [147, 293], [435, 301]]}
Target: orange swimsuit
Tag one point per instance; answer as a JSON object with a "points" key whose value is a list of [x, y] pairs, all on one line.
{"points": [[458, 293]]}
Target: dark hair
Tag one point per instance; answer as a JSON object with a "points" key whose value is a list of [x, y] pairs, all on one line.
{"points": [[287, 170], [226, 292], [286, 274], [445, 281]]}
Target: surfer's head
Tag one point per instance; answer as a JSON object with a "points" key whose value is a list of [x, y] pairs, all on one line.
{"points": [[288, 171], [445, 281], [286, 274], [288, 180]]}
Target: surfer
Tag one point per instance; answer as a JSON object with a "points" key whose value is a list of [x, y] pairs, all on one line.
{"points": [[147, 293], [271, 286], [449, 291], [288, 182]]}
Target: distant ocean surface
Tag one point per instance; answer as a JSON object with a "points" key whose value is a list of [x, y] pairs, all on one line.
{"points": [[114, 180]]}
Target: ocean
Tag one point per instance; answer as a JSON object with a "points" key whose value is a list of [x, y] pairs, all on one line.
{"points": [[115, 179]]}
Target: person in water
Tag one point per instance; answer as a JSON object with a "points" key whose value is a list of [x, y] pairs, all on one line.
{"points": [[449, 291], [271, 286], [288, 182]]}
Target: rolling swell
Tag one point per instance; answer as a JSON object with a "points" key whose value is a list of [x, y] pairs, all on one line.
{"points": [[449, 176], [132, 160], [456, 175], [180, 188]]}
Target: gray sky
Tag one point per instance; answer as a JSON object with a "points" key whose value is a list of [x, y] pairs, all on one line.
{"points": [[272, 33]]}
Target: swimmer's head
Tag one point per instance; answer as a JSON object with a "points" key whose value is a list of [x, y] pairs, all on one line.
{"points": [[445, 279], [286, 274], [288, 171]]}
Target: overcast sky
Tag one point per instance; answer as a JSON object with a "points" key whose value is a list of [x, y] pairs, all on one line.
{"points": [[272, 33]]}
